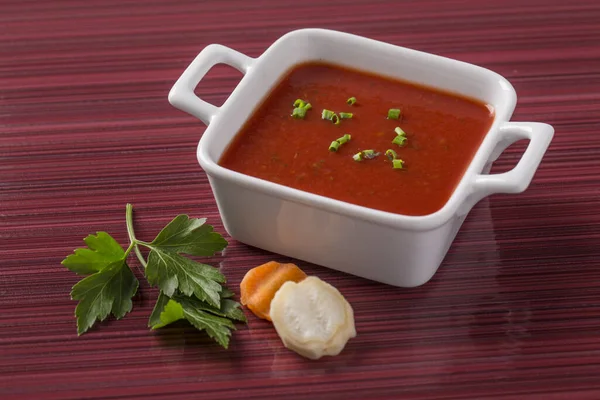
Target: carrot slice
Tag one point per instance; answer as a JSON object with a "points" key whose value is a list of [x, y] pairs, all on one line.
{"points": [[261, 283]]}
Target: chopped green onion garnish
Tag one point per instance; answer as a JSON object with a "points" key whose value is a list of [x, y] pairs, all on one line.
{"points": [[299, 103], [399, 140], [370, 154], [299, 112], [351, 101], [399, 131], [391, 154], [393, 113], [344, 139], [344, 115], [397, 164], [335, 145], [331, 116], [300, 108], [327, 114]]}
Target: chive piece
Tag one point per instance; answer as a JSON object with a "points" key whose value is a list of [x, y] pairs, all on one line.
{"points": [[370, 154], [331, 116], [365, 154], [299, 103], [399, 131], [344, 139], [391, 154], [300, 108], [335, 145], [351, 101], [327, 114], [399, 140], [394, 113], [299, 112], [397, 164], [344, 115]]}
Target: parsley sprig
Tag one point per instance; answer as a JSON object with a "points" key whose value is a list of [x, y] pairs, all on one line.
{"points": [[189, 289]]}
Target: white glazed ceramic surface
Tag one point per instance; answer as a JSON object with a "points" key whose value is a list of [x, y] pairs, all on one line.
{"points": [[390, 248]]}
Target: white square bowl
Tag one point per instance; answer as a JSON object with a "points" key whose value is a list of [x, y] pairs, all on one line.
{"points": [[394, 249]]}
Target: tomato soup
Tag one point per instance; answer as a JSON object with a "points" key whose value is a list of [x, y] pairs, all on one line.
{"points": [[442, 130]]}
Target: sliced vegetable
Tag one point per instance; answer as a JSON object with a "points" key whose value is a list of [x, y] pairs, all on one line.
{"points": [[394, 113], [345, 115], [335, 145], [365, 154], [299, 113], [351, 101], [299, 103], [399, 140], [370, 154], [312, 318], [327, 114], [261, 283], [300, 108], [331, 116], [397, 164], [344, 139]]}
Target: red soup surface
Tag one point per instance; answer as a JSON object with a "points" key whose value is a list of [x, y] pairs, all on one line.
{"points": [[443, 132]]}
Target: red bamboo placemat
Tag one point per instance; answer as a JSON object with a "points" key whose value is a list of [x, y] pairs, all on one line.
{"points": [[85, 127]]}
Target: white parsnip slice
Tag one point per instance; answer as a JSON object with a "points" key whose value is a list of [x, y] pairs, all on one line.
{"points": [[312, 318]]}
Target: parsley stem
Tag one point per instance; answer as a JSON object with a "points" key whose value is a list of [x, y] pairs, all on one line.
{"points": [[131, 233], [129, 250]]}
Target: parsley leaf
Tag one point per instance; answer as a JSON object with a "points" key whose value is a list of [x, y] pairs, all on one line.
{"points": [[159, 307], [226, 293], [189, 236], [190, 290], [231, 309], [102, 250], [105, 292], [166, 311], [215, 321], [171, 271], [228, 308], [218, 328]]}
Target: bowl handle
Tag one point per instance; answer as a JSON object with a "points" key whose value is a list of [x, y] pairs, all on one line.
{"points": [[182, 94], [517, 179]]}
